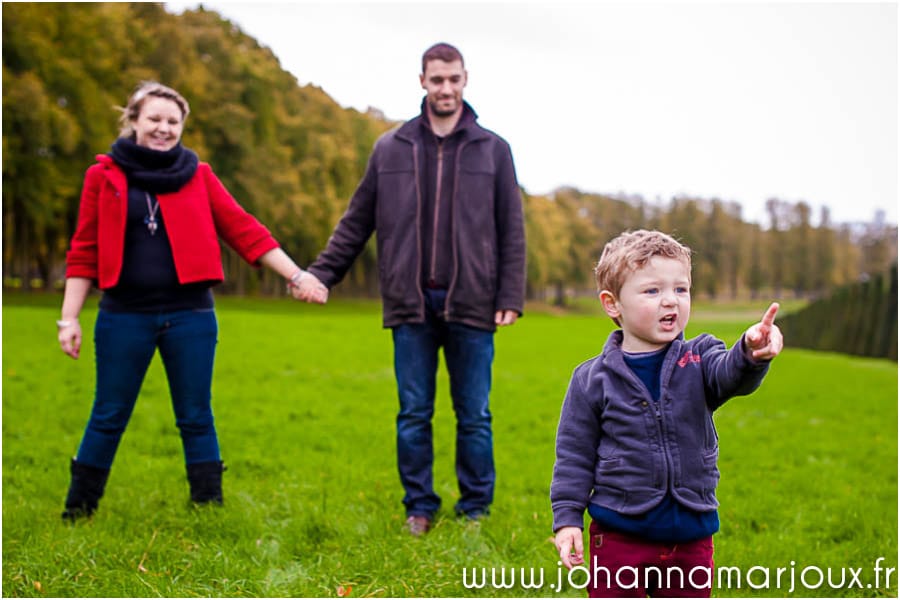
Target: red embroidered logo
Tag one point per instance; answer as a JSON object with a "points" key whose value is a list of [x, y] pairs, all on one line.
{"points": [[689, 357]]}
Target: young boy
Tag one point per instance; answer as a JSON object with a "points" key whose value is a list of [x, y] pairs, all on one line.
{"points": [[636, 443]]}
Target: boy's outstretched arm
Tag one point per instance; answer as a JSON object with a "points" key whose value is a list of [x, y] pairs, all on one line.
{"points": [[763, 340], [570, 544]]}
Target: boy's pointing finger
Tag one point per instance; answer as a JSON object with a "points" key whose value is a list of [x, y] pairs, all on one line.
{"points": [[769, 318]]}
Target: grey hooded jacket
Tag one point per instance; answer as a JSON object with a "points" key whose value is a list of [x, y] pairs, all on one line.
{"points": [[617, 448]]}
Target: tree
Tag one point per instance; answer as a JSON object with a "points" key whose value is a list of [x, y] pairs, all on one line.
{"points": [[800, 243], [823, 275], [289, 154], [777, 248]]}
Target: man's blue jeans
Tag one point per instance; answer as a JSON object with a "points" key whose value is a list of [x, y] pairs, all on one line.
{"points": [[468, 353], [124, 344]]}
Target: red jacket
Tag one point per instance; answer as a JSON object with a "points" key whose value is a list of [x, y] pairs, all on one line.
{"points": [[194, 216]]}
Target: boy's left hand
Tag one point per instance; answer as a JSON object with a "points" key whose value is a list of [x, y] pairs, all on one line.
{"points": [[570, 545], [764, 340]]}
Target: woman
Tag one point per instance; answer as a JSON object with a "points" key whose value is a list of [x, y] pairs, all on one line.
{"points": [[147, 235]]}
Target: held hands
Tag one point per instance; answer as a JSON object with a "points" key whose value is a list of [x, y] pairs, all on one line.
{"points": [[763, 340], [70, 338], [307, 287], [570, 544]]}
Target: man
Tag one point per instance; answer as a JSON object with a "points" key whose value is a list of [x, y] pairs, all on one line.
{"points": [[442, 194]]}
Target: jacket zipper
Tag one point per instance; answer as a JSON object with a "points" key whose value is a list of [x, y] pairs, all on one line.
{"points": [[437, 208], [415, 153], [664, 443], [453, 253], [656, 407]]}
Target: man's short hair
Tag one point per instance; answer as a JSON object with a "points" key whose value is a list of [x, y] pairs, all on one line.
{"points": [[442, 51], [630, 251]]}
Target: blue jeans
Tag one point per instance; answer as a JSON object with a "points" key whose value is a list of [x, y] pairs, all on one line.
{"points": [[124, 345], [468, 353]]}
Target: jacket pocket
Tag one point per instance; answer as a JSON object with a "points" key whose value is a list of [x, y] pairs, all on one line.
{"points": [[607, 467], [395, 272], [385, 247], [710, 469], [490, 258]]}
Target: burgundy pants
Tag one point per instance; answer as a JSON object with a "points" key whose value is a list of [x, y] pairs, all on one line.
{"points": [[623, 566]]}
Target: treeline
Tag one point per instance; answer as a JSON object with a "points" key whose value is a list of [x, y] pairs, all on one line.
{"points": [[292, 156], [858, 319], [795, 256], [289, 154]]}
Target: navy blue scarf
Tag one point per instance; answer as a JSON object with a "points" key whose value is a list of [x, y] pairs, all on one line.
{"points": [[158, 172]]}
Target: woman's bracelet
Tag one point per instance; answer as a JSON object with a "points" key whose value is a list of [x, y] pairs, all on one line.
{"points": [[63, 323], [294, 280]]}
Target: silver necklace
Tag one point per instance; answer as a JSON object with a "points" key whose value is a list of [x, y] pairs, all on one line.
{"points": [[150, 219]]}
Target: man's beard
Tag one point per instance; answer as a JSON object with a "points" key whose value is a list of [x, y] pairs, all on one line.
{"points": [[440, 112]]}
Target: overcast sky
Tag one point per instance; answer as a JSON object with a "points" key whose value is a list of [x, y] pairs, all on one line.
{"points": [[737, 101]]}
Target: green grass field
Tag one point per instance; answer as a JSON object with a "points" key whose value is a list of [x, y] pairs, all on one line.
{"points": [[305, 405]]}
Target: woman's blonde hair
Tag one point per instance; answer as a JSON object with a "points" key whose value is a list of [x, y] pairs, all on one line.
{"points": [[136, 102], [632, 250]]}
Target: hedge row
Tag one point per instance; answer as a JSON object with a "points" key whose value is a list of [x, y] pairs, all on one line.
{"points": [[858, 319]]}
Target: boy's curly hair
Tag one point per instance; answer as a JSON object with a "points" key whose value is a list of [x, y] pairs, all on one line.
{"points": [[630, 251]]}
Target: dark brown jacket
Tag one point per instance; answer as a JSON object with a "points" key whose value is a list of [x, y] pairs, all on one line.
{"points": [[488, 231]]}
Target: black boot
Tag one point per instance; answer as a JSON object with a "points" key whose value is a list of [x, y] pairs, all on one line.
{"points": [[206, 481], [85, 490]]}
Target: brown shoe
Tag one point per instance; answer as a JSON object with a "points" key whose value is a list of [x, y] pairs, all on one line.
{"points": [[417, 525]]}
